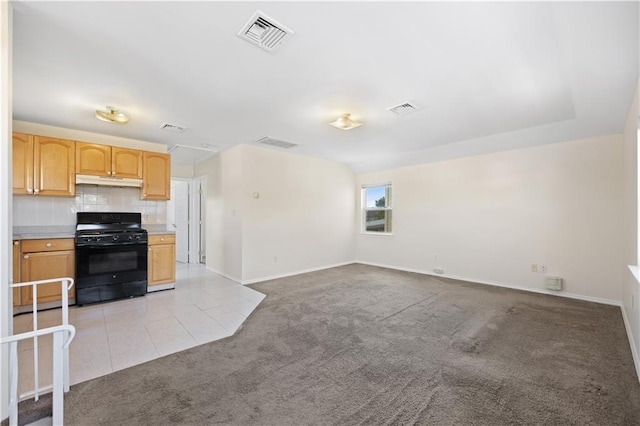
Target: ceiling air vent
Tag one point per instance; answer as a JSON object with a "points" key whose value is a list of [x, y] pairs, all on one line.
{"points": [[404, 109], [276, 142], [264, 32], [175, 128]]}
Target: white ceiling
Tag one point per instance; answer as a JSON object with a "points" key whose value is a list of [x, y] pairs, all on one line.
{"points": [[487, 76]]}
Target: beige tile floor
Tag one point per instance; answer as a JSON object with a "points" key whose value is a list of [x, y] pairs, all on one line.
{"points": [[112, 336]]}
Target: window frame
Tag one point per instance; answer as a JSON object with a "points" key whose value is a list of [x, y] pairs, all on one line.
{"points": [[387, 208]]}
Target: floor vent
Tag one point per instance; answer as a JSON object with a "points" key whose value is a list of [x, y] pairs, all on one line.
{"points": [[404, 109], [175, 128], [275, 142], [264, 32]]}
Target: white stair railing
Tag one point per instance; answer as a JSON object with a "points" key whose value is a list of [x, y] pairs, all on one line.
{"points": [[60, 380]]}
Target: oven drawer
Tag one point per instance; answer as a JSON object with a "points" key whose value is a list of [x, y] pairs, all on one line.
{"points": [[53, 244], [162, 239]]}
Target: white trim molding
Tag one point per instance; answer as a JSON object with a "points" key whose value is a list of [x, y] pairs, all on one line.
{"points": [[289, 274], [499, 284], [632, 343]]}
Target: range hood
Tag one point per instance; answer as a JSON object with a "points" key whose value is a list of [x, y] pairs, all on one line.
{"points": [[108, 181]]}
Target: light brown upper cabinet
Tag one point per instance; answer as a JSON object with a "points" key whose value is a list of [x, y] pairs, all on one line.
{"points": [[43, 165], [105, 160], [22, 163], [156, 184]]}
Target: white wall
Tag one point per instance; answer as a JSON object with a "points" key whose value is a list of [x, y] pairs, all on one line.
{"points": [[302, 218], [6, 310], [303, 215], [182, 170], [631, 287], [488, 218], [224, 212]]}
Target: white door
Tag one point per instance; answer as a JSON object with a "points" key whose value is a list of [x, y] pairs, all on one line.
{"points": [[202, 183], [180, 217]]}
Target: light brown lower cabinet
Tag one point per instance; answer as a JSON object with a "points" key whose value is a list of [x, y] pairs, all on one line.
{"points": [[162, 259], [46, 259]]}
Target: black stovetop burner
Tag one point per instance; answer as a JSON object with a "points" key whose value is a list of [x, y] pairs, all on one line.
{"points": [[98, 228]]}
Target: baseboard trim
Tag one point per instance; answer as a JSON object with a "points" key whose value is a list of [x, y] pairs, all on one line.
{"points": [[161, 287], [499, 284], [632, 343], [289, 274], [231, 277]]}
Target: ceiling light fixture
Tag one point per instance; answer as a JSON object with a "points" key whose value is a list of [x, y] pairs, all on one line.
{"points": [[112, 115], [345, 122]]}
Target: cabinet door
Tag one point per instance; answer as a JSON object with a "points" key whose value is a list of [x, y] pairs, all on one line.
{"points": [[16, 272], [43, 266], [22, 163], [93, 159], [126, 163], [162, 261], [55, 166], [156, 184]]}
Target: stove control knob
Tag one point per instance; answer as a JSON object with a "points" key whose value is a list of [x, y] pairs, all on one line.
{"points": [[131, 237], [115, 238]]}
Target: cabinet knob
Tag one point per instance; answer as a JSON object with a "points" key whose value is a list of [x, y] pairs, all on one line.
{"points": [[15, 243], [108, 172], [161, 239], [36, 191], [26, 256], [29, 191], [48, 244]]}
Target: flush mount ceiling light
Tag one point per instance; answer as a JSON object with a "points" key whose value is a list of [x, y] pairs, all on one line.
{"points": [[345, 122], [112, 115]]}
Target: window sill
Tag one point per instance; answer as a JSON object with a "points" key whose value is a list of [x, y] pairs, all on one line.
{"points": [[384, 234], [635, 270]]}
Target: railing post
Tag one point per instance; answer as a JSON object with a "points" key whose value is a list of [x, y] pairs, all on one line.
{"points": [[66, 286], [13, 384], [36, 349], [58, 367]]}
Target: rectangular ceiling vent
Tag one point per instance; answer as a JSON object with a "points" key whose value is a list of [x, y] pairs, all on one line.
{"points": [[175, 128], [264, 32], [276, 142], [404, 109]]}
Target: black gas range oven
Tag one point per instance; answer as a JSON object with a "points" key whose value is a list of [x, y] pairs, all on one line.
{"points": [[111, 257]]}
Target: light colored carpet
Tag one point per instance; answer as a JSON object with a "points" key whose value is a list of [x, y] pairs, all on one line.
{"points": [[365, 345]]}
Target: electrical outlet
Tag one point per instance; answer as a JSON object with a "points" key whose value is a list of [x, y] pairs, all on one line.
{"points": [[543, 269], [534, 268]]}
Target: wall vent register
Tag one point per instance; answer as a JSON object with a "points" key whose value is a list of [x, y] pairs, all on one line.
{"points": [[404, 108], [264, 32], [276, 142]]}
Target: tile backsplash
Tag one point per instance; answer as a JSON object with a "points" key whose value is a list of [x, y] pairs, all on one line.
{"points": [[42, 210]]}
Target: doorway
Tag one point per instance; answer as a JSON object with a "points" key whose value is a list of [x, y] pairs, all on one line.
{"points": [[185, 216]]}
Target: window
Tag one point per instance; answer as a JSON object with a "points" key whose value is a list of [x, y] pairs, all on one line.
{"points": [[376, 208]]}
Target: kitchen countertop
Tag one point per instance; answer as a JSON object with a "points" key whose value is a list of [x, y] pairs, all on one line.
{"points": [[37, 232], [68, 231]]}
